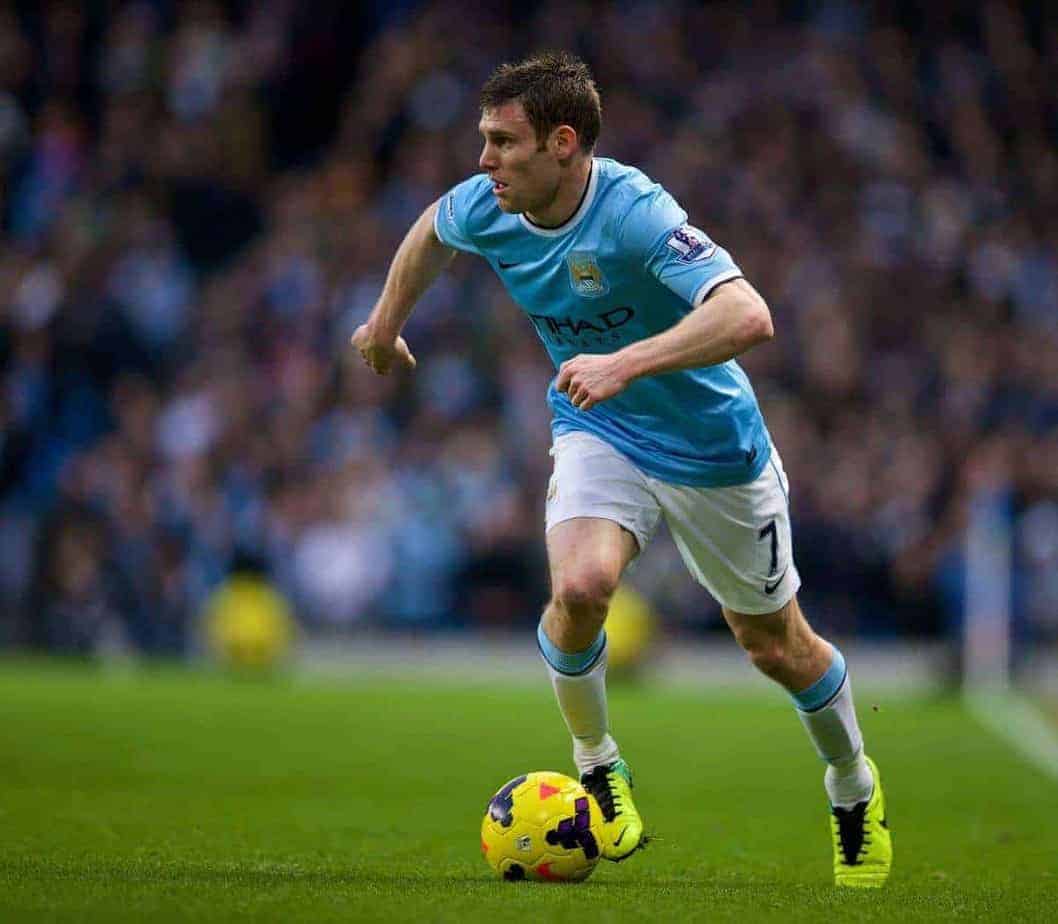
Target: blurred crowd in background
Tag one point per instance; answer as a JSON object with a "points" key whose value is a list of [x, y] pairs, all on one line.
{"points": [[200, 201]]}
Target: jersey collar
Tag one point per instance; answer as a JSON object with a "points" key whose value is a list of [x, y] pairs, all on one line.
{"points": [[570, 223]]}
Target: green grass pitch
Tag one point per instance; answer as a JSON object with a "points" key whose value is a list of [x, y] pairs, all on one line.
{"points": [[179, 796]]}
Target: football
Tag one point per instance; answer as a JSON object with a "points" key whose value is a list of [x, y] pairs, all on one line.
{"points": [[542, 826]]}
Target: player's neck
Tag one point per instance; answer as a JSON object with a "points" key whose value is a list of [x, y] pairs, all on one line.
{"points": [[570, 195]]}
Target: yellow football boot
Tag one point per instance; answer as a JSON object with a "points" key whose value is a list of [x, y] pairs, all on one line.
{"points": [[611, 785], [863, 848]]}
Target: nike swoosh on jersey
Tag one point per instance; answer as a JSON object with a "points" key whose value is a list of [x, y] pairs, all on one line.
{"points": [[508, 265], [770, 588]]}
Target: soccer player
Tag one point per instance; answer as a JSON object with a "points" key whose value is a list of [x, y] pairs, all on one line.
{"points": [[643, 315]]}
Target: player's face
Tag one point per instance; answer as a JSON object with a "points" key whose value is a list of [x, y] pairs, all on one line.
{"points": [[525, 174]]}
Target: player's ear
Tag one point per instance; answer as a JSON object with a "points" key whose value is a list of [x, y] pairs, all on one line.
{"points": [[564, 142]]}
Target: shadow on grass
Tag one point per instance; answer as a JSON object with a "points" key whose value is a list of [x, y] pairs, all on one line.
{"points": [[719, 890], [256, 875], [139, 871]]}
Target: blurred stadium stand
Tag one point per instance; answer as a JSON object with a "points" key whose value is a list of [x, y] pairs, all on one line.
{"points": [[200, 201]]}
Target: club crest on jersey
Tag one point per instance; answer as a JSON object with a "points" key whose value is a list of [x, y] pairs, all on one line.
{"points": [[585, 276], [691, 244]]}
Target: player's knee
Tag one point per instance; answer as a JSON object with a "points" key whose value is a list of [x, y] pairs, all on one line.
{"points": [[585, 593]]}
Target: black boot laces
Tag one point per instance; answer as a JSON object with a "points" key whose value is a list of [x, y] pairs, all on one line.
{"points": [[853, 837], [597, 782]]}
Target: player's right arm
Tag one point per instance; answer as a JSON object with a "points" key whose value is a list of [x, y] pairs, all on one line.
{"points": [[418, 262], [444, 228]]}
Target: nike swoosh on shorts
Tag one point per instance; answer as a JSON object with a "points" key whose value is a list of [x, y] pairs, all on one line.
{"points": [[770, 588]]}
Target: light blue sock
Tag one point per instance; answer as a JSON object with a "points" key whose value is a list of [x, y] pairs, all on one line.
{"points": [[825, 688], [579, 682], [828, 714], [570, 663]]}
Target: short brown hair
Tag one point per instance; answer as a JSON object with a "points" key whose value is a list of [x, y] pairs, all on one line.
{"points": [[554, 88]]}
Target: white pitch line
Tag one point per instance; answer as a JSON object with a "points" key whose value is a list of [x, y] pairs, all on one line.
{"points": [[1021, 724]]}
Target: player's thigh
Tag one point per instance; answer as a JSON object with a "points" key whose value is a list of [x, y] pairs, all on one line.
{"points": [[600, 510], [737, 540]]}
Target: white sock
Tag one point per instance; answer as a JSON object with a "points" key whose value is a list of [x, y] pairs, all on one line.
{"points": [[837, 738], [850, 784], [582, 700]]}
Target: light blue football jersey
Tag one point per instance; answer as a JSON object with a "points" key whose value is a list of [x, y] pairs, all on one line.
{"points": [[624, 267]]}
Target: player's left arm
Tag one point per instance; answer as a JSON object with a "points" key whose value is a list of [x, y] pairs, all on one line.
{"points": [[730, 320]]}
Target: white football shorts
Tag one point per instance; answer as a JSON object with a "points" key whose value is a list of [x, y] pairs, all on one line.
{"points": [[736, 541]]}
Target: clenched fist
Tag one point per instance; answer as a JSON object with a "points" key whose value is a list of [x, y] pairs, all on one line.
{"points": [[381, 353], [590, 378]]}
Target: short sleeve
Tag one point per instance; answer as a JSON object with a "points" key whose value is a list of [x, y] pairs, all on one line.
{"points": [[452, 223], [680, 256]]}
